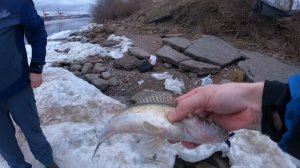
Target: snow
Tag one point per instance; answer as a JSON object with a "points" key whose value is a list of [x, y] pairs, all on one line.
{"points": [[73, 113], [60, 35], [81, 51], [90, 27]]}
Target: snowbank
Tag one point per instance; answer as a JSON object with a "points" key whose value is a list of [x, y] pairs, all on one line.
{"points": [[81, 51]]}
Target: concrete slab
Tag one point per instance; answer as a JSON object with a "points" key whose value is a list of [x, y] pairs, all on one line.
{"points": [[199, 68], [178, 43], [260, 67], [213, 50], [168, 54]]}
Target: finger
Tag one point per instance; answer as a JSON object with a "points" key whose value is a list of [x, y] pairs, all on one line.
{"points": [[182, 110], [187, 95], [189, 145]]}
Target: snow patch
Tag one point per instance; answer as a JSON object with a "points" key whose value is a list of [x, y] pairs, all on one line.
{"points": [[118, 51], [60, 35]]}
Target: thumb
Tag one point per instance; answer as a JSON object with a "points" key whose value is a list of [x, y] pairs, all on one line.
{"points": [[182, 111]]}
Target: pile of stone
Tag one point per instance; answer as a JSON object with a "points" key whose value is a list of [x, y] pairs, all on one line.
{"points": [[92, 71], [98, 35]]}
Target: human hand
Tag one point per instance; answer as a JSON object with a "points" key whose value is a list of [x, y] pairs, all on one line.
{"points": [[36, 80], [232, 106]]}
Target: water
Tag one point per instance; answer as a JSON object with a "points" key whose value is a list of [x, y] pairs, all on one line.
{"points": [[65, 24]]}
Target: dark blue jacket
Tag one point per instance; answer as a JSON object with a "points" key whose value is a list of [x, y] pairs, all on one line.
{"points": [[290, 140], [19, 18], [283, 99]]}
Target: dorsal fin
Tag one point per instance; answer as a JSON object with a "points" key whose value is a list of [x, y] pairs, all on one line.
{"points": [[148, 96]]}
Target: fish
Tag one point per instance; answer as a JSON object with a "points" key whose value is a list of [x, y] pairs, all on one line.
{"points": [[151, 119]]}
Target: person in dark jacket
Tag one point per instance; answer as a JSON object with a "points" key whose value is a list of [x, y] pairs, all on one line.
{"points": [[272, 104], [19, 17]]}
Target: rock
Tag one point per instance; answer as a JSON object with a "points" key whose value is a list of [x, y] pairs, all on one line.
{"points": [[170, 55], [99, 68], [91, 77], [87, 68], [213, 50], [193, 75], [260, 67], [66, 51], [138, 53], [76, 62], [106, 75], [127, 63], [75, 67], [178, 43], [77, 73], [66, 68], [100, 84], [167, 65], [56, 64], [199, 68], [113, 82], [109, 43], [94, 60]]}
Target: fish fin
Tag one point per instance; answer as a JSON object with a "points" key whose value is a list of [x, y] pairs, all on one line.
{"points": [[152, 129], [104, 136], [154, 97], [151, 145]]}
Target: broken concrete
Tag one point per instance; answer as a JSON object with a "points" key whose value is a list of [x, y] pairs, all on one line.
{"points": [[213, 50], [138, 53], [260, 67], [199, 68], [170, 55], [178, 43]]}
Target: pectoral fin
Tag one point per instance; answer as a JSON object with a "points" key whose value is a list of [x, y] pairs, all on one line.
{"points": [[152, 129], [150, 145]]}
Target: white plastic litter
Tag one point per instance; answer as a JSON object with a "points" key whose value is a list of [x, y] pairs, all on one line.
{"points": [[162, 76], [205, 81], [141, 82], [175, 85], [152, 59]]}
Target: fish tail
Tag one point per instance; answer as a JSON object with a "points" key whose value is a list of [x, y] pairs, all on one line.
{"points": [[104, 136]]}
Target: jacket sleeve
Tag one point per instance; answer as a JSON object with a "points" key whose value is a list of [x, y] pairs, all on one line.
{"points": [[36, 35], [283, 99], [290, 141]]}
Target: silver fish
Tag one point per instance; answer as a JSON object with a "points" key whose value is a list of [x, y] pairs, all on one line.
{"points": [[151, 119]]}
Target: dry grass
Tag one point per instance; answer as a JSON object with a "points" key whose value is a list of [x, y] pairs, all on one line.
{"points": [[114, 9]]}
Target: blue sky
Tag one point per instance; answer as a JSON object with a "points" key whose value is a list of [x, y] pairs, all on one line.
{"points": [[66, 6]]}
